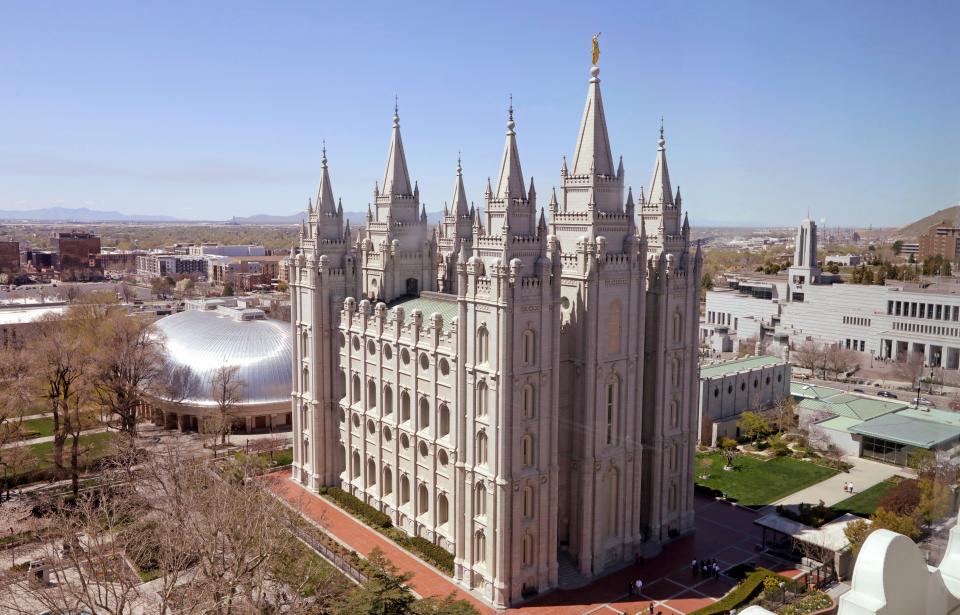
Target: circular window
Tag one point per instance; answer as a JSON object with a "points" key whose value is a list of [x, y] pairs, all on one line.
{"points": [[356, 343], [716, 392], [405, 356], [387, 352], [371, 347], [343, 340], [404, 441], [565, 303], [387, 434], [444, 367], [424, 361], [729, 389], [743, 386], [371, 427], [424, 451], [356, 420], [442, 457]]}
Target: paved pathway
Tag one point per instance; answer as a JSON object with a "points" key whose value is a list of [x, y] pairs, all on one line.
{"points": [[864, 474], [724, 532]]}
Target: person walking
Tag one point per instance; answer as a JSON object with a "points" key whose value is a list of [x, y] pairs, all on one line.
{"points": [[693, 567], [639, 585]]}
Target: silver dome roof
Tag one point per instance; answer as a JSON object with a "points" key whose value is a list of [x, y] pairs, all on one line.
{"points": [[200, 341]]}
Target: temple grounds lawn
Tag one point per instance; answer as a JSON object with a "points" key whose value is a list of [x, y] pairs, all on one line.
{"points": [[37, 428], [756, 482], [865, 502], [94, 446]]}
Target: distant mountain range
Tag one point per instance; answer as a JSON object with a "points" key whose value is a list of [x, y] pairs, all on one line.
{"points": [[919, 227], [356, 218], [80, 214]]}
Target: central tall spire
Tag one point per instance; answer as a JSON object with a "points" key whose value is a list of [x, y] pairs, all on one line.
{"points": [[592, 154], [459, 207], [396, 179], [510, 183], [325, 202]]}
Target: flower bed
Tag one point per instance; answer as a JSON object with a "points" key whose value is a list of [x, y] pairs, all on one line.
{"points": [[741, 594]]}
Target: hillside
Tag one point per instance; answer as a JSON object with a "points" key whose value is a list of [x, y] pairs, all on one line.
{"points": [[80, 214], [913, 230]]}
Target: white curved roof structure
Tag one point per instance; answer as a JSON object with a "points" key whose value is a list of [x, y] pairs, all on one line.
{"points": [[198, 342]]}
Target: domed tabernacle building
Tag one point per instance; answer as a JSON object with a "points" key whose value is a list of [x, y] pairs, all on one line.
{"points": [[199, 341]]}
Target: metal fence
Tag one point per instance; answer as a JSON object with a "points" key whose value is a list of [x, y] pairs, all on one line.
{"points": [[340, 562]]}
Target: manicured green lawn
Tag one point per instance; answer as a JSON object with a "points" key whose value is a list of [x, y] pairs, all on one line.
{"points": [[865, 502], [96, 445], [756, 482], [37, 428]]}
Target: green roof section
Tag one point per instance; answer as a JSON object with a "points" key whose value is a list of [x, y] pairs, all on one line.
{"points": [[737, 365], [812, 391], [445, 305], [943, 417], [852, 406], [839, 423], [906, 429]]}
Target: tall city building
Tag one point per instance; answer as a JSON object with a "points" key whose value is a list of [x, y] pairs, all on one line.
{"points": [[518, 388]]}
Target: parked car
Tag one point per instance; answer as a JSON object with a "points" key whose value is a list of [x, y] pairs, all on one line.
{"points": [[858, 390], [922, 401], [886, 394]]}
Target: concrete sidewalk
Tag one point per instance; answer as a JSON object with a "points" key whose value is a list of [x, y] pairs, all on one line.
{"points": [[864, 474]]}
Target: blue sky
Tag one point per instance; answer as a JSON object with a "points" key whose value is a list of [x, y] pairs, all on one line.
{"points": [[209, 109]]}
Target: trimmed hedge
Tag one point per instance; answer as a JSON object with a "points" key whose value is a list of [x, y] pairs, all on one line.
{"points": [[368, 514], [435, 554], [741, 594]]}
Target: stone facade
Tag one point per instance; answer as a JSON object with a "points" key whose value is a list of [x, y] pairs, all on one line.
{"points": [[522, 393]]}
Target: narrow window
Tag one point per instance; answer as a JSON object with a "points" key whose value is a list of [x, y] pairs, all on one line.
{"points": [[424, 418], [483, 345], [528, 503], [404, 406], [404, 490], [443, 509], [529, 401], [480, 547], [526, 450], [444, 421], [479, 500], [423, 500], [529, 347], [613, 409], [482, 399], [481, 448]]}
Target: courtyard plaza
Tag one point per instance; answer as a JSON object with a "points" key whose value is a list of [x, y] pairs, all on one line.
{"points": [[724, 532]]}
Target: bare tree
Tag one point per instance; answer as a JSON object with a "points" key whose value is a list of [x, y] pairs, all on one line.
{"points": [[809, 355], [783, 415], [227, 389], [909, 369], [129, 362]]}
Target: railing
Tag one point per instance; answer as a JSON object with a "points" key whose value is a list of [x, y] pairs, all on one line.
{"points": [[340, 562]]}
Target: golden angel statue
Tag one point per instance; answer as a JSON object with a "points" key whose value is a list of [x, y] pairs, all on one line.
{"points": [[596, 48]]}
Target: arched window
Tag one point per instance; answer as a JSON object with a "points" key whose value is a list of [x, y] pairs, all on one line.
{"points": [[305, 344], [526, 450], [387, 400], [529, 347], [674, 457], [529, 401], [371, 395], [305, 451], [677, 326], [613, 510], [528, 552], [480, 547], [371, 473], [675, 372], [444, 421], [612, 409], [387, 481], [481, 448], [355, 465], [343, 384], [479, 500], [404, 489], [443, 509], [482, 398], [423, 420], [527, 507], [614, 315], [306, 381], [304, 417], [404, 406], [672, 498], [423, 499], [674, 413], [483, 345], [356, 390]]}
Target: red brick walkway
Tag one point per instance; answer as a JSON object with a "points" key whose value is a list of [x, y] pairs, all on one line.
{"points": [[724, 532]]}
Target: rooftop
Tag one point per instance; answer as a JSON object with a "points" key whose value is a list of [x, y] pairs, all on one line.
{"points": [[428, 303], [852, 406], [830, 536], [812, 391], [738, 365], [906, 429]]}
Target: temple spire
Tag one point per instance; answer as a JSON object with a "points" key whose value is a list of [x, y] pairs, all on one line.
{"points": [[660, 190], [592, 154], [325, 201], [510, 184], [460, 205], [396, 179]]}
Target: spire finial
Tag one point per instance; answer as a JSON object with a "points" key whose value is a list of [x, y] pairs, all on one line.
{"points": [[396, 110], [510, 123], [459, 168], [324, 148], [662, 141], [511, 107]]}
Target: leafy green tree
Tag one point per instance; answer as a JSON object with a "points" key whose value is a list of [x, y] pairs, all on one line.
{"points": [[728, 448], [753, 425], [228, 289], [385, 592]]}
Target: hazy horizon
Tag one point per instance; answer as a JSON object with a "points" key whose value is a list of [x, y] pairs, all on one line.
{"points": [[217, 110]]}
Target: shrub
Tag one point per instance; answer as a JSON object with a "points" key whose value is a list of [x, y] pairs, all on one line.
{"points": [[368, 514], [742, 593], [779, 446], [812, 602], [903, 498], [814, 516]]}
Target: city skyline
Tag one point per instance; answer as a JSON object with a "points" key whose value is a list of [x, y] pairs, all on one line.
{"points": [[194, 113]]}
